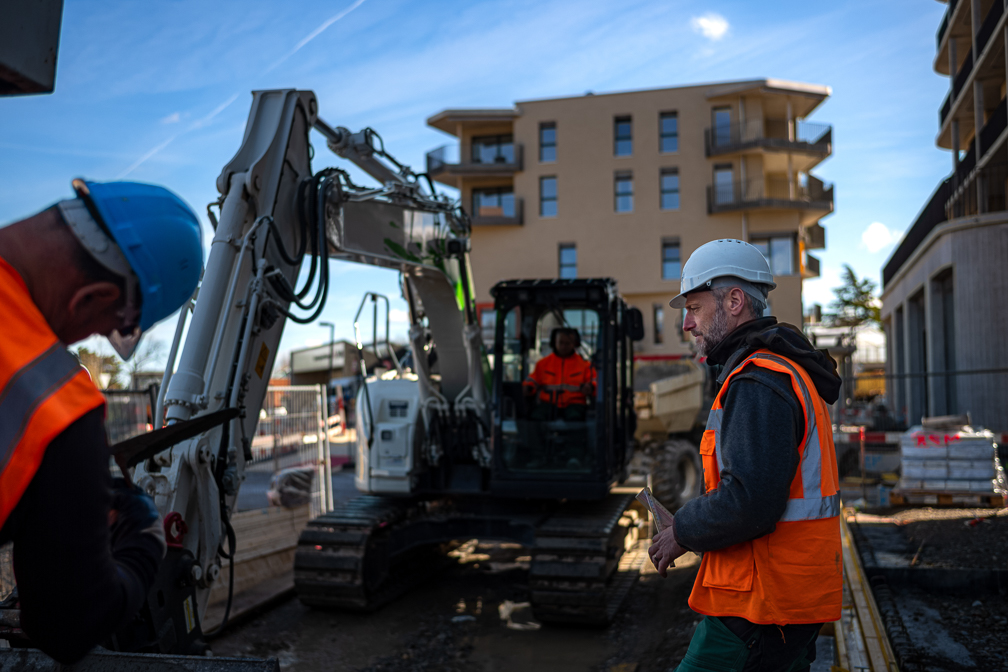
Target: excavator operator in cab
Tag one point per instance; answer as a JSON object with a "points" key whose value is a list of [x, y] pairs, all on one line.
{"points": [[563, 380]]}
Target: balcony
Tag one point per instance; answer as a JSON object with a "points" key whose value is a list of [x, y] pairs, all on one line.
{"points": [[445, 165], [770, 193], [771, 134], [943, 28], [987, 27], [810, 267], [945, 108], [503, 216], [963, 74], [994, 127]]}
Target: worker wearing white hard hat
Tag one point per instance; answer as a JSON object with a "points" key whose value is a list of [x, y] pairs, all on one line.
{"points": [[768, 523]]}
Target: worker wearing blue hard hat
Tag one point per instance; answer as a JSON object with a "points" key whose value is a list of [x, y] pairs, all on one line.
{"points": [[113, 260]]}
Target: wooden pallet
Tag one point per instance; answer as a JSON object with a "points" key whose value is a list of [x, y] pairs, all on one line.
{"points": [[945, 498]]}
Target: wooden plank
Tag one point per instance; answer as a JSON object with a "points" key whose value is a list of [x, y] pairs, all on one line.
{"points": [[876, 641]]}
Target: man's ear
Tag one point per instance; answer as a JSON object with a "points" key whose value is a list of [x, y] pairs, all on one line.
{"points": [[736, 301], [93, 298]]}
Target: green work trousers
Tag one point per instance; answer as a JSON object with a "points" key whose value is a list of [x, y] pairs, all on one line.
{"points": [[756, 648]]}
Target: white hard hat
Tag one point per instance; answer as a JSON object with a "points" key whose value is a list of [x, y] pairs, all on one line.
{"points": [[725, 263]]}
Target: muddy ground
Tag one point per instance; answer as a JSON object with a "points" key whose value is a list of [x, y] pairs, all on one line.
{"points": [[454, 623]]}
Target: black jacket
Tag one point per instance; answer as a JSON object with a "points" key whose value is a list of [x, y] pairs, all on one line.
{"points": [[75, 589], [761, 431]]}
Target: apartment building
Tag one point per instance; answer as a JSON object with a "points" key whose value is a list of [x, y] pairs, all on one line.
{"points": [[945, 287], [627, 185]]}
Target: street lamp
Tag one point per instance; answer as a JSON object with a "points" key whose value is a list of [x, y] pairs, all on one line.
{"points": [[332, 345]]}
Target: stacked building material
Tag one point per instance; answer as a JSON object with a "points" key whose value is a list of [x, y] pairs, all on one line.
{"points": [[957, 459]]}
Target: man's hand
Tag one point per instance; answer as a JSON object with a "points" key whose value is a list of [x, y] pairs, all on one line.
{"points": [[529, 389], [133, 513], [586, 389], [665, 549]]}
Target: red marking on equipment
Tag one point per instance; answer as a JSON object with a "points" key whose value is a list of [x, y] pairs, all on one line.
{"points": [[318, 548]]}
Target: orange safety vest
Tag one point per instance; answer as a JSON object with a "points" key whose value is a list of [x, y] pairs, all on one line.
{"points": [[561, 378], [43, 389], [795, 573]]}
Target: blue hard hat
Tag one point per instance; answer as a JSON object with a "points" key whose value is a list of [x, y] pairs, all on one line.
{"points": [[158, 234]]}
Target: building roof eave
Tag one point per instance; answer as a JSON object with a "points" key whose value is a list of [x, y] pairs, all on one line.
{"points": [[447, 120]]}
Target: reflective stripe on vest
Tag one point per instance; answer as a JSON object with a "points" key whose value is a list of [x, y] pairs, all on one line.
{"points": [[812, 505], [35, 382]]}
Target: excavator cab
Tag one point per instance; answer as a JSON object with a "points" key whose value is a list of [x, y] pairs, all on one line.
{"points": [[563, 417]]}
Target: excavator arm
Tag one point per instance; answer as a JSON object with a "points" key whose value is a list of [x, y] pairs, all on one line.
{"points": [[279, 221]]}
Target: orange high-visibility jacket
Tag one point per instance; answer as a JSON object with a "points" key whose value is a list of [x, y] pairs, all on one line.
{"points": [[795, 573], [43, 390], [560, 379]]}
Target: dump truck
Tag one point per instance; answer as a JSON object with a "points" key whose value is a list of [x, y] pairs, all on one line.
{"points": [[671, 407]]}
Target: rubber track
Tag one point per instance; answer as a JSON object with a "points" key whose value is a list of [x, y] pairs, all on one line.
{"points": [[329, 566], [586, 558]]}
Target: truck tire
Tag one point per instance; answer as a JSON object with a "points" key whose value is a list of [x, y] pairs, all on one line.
{"points": [[677, 475]]}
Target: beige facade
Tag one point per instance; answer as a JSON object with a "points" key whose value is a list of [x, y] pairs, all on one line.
{"points": [[634, 200]]}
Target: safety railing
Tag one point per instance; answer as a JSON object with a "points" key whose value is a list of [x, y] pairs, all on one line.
{"points": [[129, 413], [994, 127], [963, 74], [770, 192], [292, 434], [447, 158], [769, 134]]}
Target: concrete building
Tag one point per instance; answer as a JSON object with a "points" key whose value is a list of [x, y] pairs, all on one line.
{"points": [[945, 287], [627, 185]]}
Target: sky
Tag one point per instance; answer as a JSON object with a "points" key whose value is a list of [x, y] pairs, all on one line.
{"points": [[160, 92]]}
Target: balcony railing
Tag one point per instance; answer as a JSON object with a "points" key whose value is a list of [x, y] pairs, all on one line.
{"points": [[963, 74], [992, 130], [810, 267], [446, 159], [946, 106], [485, 218], [769, 134], [772, 192], [987, 27]]}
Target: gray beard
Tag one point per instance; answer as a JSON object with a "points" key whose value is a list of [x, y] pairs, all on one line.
{"points": [[715, 333]]}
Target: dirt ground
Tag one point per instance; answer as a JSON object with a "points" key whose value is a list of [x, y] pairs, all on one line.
{"points": [[455, 622], [948, 633]]}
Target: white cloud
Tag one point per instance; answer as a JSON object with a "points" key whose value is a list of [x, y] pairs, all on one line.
{"points": [[877, 236], [398, 315], [172, 118], [712, 26]]}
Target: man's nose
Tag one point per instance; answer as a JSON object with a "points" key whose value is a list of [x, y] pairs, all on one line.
{"points": [[689, 324]]}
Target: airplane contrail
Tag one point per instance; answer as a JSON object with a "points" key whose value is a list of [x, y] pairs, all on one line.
{"points": [[200, 123]]}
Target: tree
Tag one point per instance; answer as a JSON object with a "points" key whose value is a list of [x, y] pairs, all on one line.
{"points": [[855, 303], [104, 369], [145, 356]]}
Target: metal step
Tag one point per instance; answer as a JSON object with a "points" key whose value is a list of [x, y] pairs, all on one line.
{"points": [[32, 660]]}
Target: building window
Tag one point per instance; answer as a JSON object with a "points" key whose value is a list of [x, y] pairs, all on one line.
{"points": [[568, 261], [547, 197], [659, 323], [671, 261], [724, 188], [779, 253], [722, 126], [623, 132], [493, 149], [488, 324], [497, 202], [547, 142], [670, 189], [680, 322], [624, 192], [668, 131]]}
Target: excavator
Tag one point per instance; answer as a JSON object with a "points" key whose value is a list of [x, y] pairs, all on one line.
{"points": [[448, 448]]}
